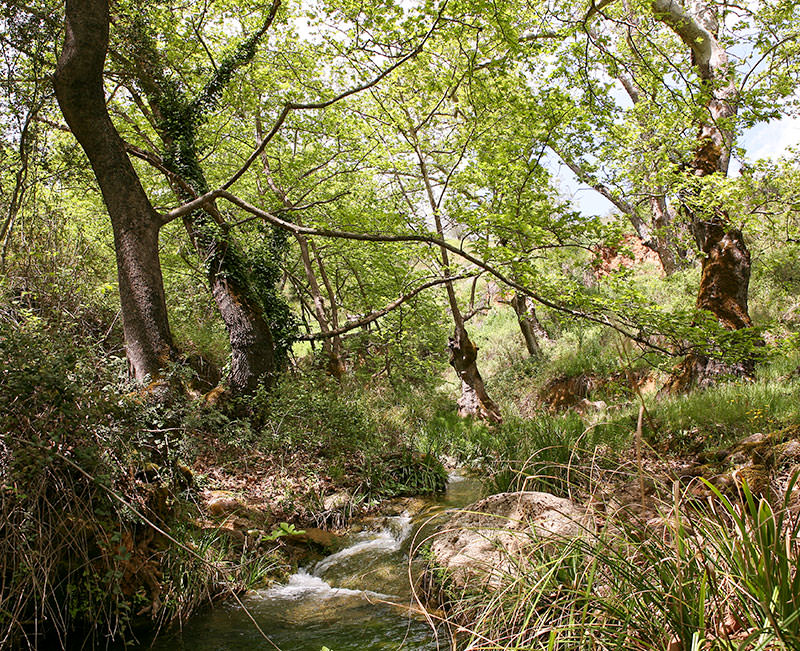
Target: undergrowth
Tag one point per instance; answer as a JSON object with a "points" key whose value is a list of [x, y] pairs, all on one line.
{"points": [[93, 501], [719, 575]]}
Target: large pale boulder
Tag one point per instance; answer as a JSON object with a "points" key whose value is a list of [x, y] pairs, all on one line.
{"points": [[481, 544]]}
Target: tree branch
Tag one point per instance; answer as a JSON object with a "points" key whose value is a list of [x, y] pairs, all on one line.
{"points": [[374, 316], [424, 239], [296, 106]]}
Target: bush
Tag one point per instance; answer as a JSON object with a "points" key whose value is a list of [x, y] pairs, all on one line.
{"points": [[313, 412], [79, 494]]}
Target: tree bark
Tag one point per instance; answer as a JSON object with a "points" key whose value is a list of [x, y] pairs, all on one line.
{"points": [[528, 323], [253, 357], [78, 83], [331, 345], [725, 276]]}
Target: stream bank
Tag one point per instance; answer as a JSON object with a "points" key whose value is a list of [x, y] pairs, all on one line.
{"points": [[355, 598]]}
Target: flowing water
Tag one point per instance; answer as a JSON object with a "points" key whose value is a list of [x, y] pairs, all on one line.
{"points": [[357, 598]]}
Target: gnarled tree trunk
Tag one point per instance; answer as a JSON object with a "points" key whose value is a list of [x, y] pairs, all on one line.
{"points": [[78, 83], [474, 401], [726, 266]]}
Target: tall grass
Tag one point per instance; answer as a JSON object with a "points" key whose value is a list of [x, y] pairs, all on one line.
{"points": [[717, 575]]}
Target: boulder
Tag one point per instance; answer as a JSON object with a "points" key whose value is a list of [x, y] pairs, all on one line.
{"points": [[222, 504], [478, 545]]}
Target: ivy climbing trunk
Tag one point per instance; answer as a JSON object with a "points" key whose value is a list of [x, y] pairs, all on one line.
{"points": [[79, 90], [251, 341], [177, 119], [725, 274]]}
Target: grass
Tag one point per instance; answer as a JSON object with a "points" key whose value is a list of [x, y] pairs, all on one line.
{"points": [[722, 575], [719, 416]]}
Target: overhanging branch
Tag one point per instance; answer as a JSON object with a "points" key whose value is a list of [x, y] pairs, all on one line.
{"points": [[423, 239], [374, 316]]}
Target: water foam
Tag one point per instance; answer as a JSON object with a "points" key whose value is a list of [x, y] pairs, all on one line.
{"points": [[387, 540], [303, 585]]}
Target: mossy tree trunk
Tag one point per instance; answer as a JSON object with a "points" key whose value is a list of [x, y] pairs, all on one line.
{"points": [[177, 119]]}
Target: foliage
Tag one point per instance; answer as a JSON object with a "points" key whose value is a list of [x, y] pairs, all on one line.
{"points": [[81, 467], [311, 412], [408, 473]]}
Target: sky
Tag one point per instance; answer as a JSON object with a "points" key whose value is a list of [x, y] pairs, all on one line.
{"points": [[771, 140]]}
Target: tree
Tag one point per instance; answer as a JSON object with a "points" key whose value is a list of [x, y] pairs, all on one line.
{"points": [[725, 273], [644, 106], [177, 117], [136, 224]]}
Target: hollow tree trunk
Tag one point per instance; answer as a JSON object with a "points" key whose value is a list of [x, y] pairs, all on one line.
{"points": [[78, 83], [528, 323]]}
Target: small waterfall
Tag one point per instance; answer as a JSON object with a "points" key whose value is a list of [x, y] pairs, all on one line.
{"points": [[339, 602], [370, 545]]}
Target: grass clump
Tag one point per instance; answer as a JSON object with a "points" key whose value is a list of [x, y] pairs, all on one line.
{"points": [[720, 575]]}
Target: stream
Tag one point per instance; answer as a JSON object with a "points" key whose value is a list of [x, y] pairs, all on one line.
{"points": [[339, 602]]}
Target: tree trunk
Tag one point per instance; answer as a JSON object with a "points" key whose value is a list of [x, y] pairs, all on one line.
{"points": [[78, 83], [663, 243], [337, 365], [528, 323], [253, 354], [332, 346], [474, 401], [724, 283], [252, 344], [725, 274]]}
